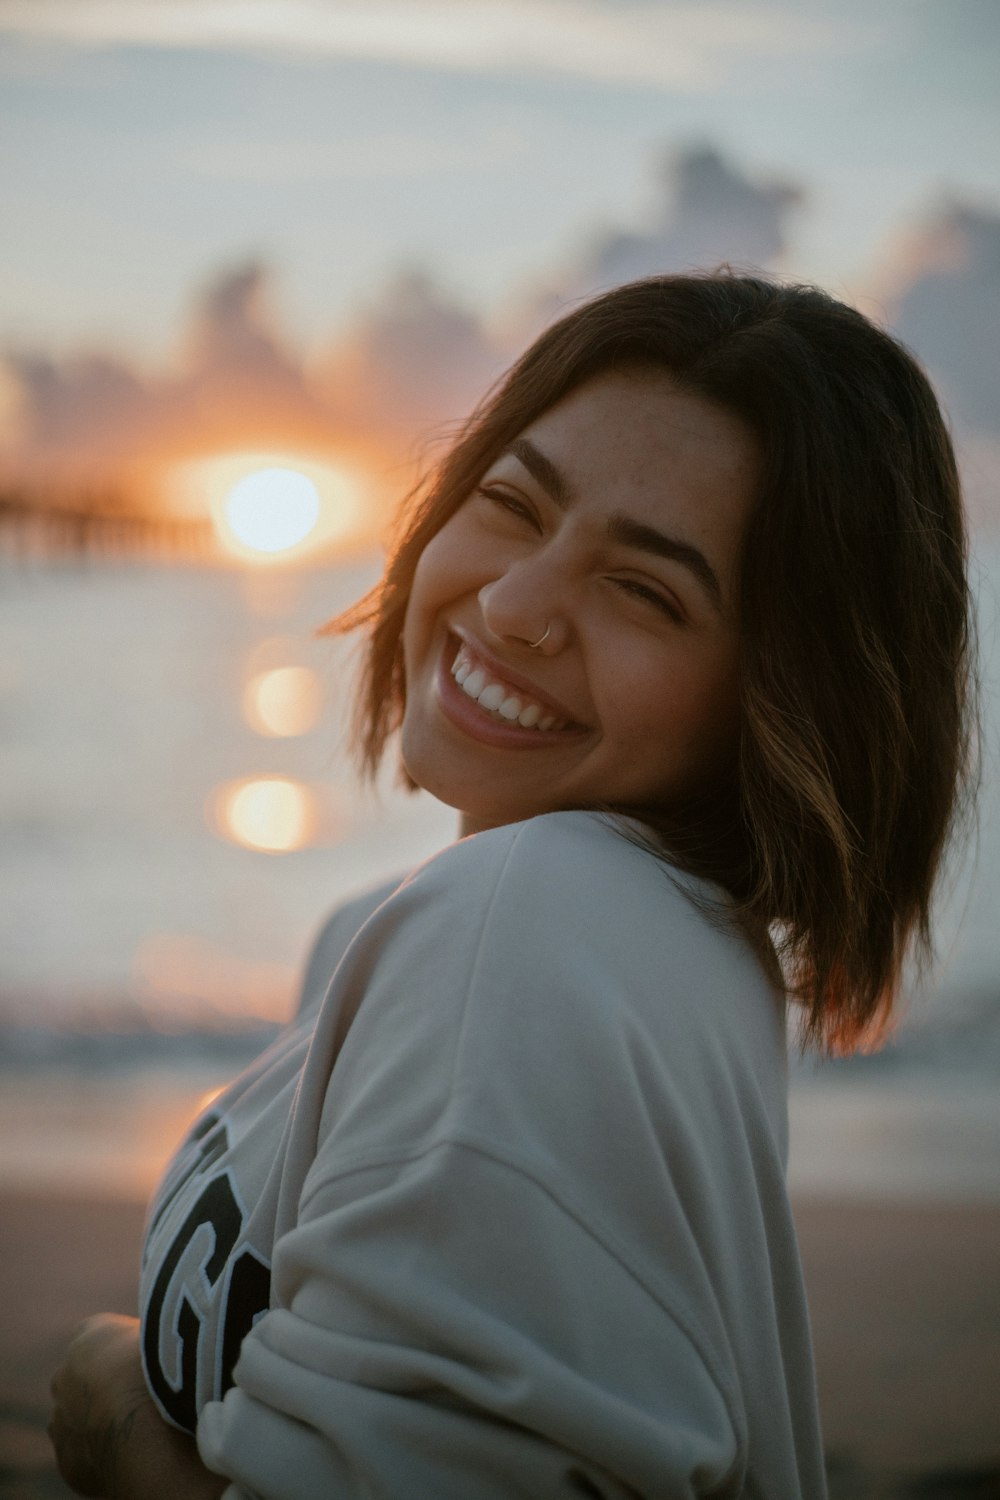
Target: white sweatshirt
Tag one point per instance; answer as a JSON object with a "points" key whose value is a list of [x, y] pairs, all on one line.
{"points": [[524, 1232]]}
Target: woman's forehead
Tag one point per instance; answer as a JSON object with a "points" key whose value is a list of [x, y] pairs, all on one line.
{"points": [[641, 442]]}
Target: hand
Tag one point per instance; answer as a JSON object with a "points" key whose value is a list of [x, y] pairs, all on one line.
{"points": [[108, 1436], [97, 1393]]}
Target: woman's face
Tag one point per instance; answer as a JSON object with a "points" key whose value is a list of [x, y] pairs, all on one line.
{"points": [[611, 527]]}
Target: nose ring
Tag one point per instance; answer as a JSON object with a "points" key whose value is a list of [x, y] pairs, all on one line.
{"points": [[533, 645]]}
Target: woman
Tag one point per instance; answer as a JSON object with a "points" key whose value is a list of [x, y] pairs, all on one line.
{"points": [[681, 630]]}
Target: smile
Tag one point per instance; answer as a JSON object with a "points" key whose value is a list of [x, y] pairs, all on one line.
{"points": [[500, 698], [476, 698]]}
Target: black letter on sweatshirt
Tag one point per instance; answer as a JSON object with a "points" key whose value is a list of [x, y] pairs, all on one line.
{"points": [[216, 1207], [249, 1293]]}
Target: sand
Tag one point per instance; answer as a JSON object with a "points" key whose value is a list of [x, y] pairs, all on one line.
{"points": [[906, 1315]]}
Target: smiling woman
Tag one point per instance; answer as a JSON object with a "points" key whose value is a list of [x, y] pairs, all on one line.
{"points": [[680, 629], [595, 527]]}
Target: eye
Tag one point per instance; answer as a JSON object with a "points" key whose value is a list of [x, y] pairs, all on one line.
{"points": [[513, 504], [648, 595]]}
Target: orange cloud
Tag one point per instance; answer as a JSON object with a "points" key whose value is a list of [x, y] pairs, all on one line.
{"points": [[92, 433]]}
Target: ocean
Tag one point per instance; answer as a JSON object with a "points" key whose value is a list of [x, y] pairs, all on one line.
{"points": [[166, 855]]}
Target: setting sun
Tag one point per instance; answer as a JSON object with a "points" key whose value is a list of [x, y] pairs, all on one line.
{"points": [[272, 507], [271, 510]]}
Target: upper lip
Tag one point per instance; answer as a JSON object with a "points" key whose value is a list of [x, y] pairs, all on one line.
{"points": [[506, 674]]}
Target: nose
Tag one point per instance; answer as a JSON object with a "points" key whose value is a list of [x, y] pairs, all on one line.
{"points": [[527, 605]]}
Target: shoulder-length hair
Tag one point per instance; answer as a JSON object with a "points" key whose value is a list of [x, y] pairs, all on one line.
{"points": [[856, 678]]}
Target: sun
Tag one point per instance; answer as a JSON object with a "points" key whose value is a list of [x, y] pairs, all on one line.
{"points": [[273, 507], [271, 510]]}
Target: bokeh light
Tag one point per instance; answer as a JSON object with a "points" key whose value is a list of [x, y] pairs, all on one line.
{"points": [[273, 814], [283, 702]]}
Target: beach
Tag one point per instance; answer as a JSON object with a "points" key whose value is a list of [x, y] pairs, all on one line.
{"points": [[905, 1303]]}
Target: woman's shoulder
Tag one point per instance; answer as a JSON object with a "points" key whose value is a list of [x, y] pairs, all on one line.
{"points": [[587, 872], [332, 940], [574, 912], [526, 854], [530, 970]]}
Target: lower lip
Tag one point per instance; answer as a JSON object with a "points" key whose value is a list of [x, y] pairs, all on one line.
{"points": [[488, 729]]}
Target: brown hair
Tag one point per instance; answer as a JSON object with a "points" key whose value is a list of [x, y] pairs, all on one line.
{"points": [[857, 688]]}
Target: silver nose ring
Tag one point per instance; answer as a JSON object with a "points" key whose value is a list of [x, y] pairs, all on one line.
{"points": [[533, 645]]}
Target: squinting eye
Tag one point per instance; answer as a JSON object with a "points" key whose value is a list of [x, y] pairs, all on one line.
{"points": [[504, 500], [650, 596]]}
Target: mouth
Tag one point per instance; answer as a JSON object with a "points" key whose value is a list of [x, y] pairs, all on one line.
{"points": [[482, 701], [497, 696]]}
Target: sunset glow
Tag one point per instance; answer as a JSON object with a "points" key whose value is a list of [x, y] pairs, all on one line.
{"points": [[273, 814], [283, 702], [270, 507], [271, 510]]}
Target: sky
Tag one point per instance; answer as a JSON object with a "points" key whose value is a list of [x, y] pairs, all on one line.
{"points": [[356, 211]]}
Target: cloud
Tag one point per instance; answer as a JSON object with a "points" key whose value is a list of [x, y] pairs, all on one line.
{"points": [[940, 286], [92, 435], [237, 370], [633, 42], [412, 361], [946, 305], [73, 405], [415, 362], [82, 423], [706, 211]]}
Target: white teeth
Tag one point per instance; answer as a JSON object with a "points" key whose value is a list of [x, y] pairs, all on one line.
{"points": [[491, 697], [496, 698]]}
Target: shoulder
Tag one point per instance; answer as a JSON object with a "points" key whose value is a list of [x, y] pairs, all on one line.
{"points": [[331, 942], [569, 884], [562, 932], [560, 859], [557, 998]]}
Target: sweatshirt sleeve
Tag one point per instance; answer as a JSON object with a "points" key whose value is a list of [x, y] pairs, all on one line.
{"points": [[494, 1285], [437, 1337]]}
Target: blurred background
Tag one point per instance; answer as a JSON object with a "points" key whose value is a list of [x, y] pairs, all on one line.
{"points": [[259, 260]]}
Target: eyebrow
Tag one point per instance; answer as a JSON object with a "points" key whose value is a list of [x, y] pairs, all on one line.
{"points": [[621, 528], [543, 469]]}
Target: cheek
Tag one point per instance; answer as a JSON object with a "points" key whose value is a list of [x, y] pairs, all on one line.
{"points": [[427, 594], [683, 707], [446, 573], [447, 567]]}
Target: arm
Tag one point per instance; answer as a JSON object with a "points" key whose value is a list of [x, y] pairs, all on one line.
{"points": [[446, 1328], [108, 1437]]}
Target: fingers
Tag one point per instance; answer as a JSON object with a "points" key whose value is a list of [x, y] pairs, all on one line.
{"points": [[86, 1390]]}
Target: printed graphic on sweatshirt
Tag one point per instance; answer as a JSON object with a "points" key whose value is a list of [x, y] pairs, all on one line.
{"points": [[208, 1289]]}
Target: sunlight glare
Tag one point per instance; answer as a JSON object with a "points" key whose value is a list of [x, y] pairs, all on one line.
{"points": [[271, 510], [270, 507]]}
